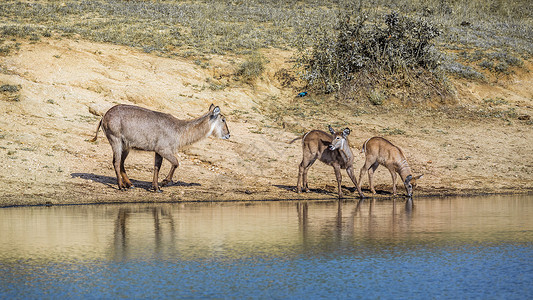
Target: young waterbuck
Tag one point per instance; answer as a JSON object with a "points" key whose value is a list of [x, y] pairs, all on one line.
{"points": [[131, 127], [332, 149], [379, 151]]}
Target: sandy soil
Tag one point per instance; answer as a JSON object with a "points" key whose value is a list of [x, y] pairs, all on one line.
{"points": [[65, 85]]}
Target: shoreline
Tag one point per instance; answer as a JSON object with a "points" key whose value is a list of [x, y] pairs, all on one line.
{"points": [[171, 198]]}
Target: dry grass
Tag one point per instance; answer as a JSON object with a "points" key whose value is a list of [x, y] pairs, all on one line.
{"points": [[175, 27], [477, 37]]}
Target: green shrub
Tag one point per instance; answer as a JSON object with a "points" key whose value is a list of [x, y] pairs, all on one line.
{"points": [[376, 97], [251, 68], [9, 88], [396, 50], [402, 44]]}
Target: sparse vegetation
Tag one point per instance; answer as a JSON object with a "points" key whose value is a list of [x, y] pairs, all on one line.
{"points": [[221, 26], [9, 88], [495, 101], [251, 68], [403, 47], [392, 131], [9, 92]]}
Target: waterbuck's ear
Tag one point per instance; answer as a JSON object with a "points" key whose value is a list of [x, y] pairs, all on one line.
{"points": [[211, 107], [346, 132], [408, 179], [419, 176], [331, 129], [216, 111]]}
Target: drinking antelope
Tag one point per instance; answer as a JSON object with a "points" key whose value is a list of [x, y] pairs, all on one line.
{"points": [[379, 151]]}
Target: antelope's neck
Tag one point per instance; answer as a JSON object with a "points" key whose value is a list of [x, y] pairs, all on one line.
{"points": [[346, 153], [403, 169], [194, 130]]}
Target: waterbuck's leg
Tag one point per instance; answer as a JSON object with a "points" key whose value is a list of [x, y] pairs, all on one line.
{"points": [[393, 174], [364, 169], [304, 173], [125, 179], [371, 171], [116, 145], [349, 170], [300, 176], [174, 164], [157, 165], [338, 175], [116, 166], [168, 179], [302, 168]]}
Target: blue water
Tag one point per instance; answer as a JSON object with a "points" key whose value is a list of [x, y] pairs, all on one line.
{"points": [[441, 248]]}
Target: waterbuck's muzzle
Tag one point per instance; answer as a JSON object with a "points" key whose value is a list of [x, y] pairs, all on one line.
{"points": [[225, 137], [331, 147], [409, 186]]}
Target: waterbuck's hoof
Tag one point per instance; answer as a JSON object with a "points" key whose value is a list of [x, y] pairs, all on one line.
{"points": [[165, 182], [156, 190], [361, 195]]}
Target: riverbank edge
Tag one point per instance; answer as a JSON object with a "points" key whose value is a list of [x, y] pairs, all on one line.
{"points": [[58, 199]]}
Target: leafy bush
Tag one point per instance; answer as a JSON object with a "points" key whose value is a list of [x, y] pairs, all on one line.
{"points": [[251, 68], [397, 48]]}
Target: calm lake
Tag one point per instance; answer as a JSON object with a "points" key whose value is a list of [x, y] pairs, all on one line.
{"points": [[426, 248]]}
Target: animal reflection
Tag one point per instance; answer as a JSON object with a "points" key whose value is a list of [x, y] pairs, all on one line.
{"points": [[357, 222], [124, 240]]}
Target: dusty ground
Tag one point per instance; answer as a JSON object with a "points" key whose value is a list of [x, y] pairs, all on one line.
{"points": [[46, 157]]}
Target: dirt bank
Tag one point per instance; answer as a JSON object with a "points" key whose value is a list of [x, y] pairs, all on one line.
{"points": [[49, 117]]}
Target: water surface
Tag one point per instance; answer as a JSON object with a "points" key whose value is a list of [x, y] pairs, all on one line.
{"points": [[447, 248]]}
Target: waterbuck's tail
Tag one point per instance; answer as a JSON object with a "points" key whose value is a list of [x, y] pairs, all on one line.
{"points": [[295, 140], [301, 137], [363, 150], [97, 129]]}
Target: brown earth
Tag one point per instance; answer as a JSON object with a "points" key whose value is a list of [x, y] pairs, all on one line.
{"points": [[46, 157]]}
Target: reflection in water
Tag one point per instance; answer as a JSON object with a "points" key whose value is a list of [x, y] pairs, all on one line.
{"points": [[452, 247], [121, 245]]}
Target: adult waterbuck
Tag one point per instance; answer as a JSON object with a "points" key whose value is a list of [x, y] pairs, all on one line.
{"points": [[131, 127], [379, 151], [332, 149]]}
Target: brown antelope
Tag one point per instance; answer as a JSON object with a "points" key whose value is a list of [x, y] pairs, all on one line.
{"points": [[379, 151], [131, 127], [332, 149]]}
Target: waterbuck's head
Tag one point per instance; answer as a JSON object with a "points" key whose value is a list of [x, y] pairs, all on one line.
{"points": [[217, 121], [339, 138], [410, 184]]}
